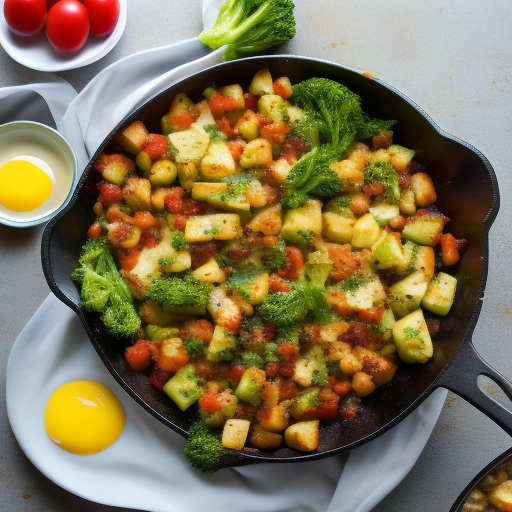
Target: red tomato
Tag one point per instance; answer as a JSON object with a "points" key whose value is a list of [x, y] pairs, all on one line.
{"points": [[67, 26], [25, 17], [103, 15]]}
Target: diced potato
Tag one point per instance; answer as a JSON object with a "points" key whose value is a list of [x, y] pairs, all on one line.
{"points": [[366, 232], [255, 194], [407, 203], [349, 172], [258, 289], [262, 83], [190, 145], [210, 272], [359, 153], [284, 85], [363, 384], [137, 193], [235, 433], [382, 370], [367, 295], [423, 188], [400, 157], [302, 435], [158, 198], [205, 117], [258, 152], [132, 137], [337, 228], [268, 221], [218, 162], [219, 226], [279, 169], [217, 194], [501, 496], [264, 440], [350, 364], [274, 419], [221, 340]]}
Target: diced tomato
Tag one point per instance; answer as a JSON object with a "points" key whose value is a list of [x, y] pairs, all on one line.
{"points": [[173, 201], [155, 145], [272, 370], [287, 369], [294, 262], [275, 131], [180, 221], [349, 411], [278, 284], [449, 251], [235, 373], [288, 350], [340, 387], [236, 148], [148, 240], [357, 335], [171, 360], [128, 258], [251, 101], [433, 326], [225, 127], [294, 148], [287, 389], [109, 193], [182, 118], [139, 355], [272, 194], [94, 230], [144, 220], [205, 369], [371, 315], [219, 104], [281, 89], [311, 333], [201, 253], [211, 401], [159, 378]]}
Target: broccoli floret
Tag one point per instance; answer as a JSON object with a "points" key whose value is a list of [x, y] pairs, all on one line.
{"points": [[250, 26], [272, 353], [104, 290], [251, 359], [215, 134], [178, 241], [385, 174], [174, 291], [316, 272], [333, 120], [275, 257], [283, 308], [353, 283], [203, 448], [193, 346], [250, 323], [241, 281], [289, 334], [156, 333]]}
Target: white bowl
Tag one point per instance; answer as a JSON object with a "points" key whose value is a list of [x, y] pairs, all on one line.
{"points": [[38, 141], [36, 52]]}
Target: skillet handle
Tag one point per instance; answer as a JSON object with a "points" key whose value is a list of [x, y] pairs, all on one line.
{"points": [[460, 376]]}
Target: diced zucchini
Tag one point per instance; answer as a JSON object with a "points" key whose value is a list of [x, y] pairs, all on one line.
{"points": [[306, 399], [184, 388], [217, 194], [367, 295], [406, 294], [366, 232], [250, 386], [218, 418], [222, 340], [301, 224], [412, 339], [218, 226], [424, 230], [311, 364], [387, 253], [440, 294], [272, 107], [190, 145], [384, 212]]}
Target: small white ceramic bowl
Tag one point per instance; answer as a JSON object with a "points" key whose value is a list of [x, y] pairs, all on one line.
{"points": [[39, 141]]}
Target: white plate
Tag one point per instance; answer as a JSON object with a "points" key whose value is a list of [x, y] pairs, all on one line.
{"points": [[37, 53], [145, 468]]}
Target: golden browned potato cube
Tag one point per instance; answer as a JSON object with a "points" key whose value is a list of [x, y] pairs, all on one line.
{"points": [[501, 496], [219, 226], [273, 419], [350, 364], [349, 171], [262, 83], [382, 370], [234, 91], [210, 272], [407, 202], [218, 162], [190, 145], [279, 169], [115, 168], [264, 440], [423, 188], [302, 435], [363, 384], [132, 137], [268, 221], [187, 173], [235, 433], [285, 85], [158, 198], [337, 228], [258, 152], [359, 153], [137, 193]]}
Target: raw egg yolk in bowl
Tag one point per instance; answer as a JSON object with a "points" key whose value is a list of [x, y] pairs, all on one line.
{"points": [[26, 183], [84, 417]]}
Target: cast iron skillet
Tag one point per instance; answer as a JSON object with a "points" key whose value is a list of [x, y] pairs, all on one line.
{"points": [[467, 192], [498, 461]]}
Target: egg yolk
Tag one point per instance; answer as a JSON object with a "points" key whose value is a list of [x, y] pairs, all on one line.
{"points": [[24, 186], [84, 417]]}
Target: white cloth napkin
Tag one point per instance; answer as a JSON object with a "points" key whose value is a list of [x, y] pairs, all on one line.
{"points": [[352, 482]]}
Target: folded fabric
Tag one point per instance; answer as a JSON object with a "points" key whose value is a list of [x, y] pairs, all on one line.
{"points": [[353, 482]]}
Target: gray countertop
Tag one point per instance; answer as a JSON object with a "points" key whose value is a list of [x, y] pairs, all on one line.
{"points": [[453, 59]]}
